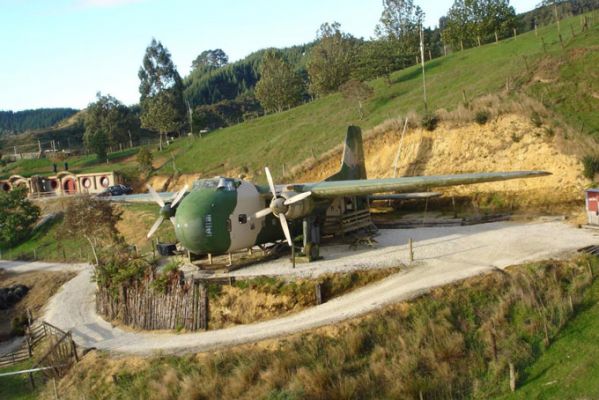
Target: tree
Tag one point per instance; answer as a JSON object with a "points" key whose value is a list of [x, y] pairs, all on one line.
{"points": [[160, 114], [458, 24], [107, 122], [331, 60], [477, 21], [399, 26], [378, 58], [210, 59], [357, 92], [279, 86], [79, 214], [17, 216], [161, 86]]}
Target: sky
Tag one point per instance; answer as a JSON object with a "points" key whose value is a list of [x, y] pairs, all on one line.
{"points": [[60, 53]]}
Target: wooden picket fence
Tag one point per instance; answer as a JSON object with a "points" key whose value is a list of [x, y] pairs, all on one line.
{"points": [[180, 305]]}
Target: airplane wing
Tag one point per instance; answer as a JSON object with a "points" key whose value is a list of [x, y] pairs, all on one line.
{"points": [[404, 196], [358, 187]]}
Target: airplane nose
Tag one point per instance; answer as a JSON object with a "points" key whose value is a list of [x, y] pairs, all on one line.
{"points": [[201, 222]]}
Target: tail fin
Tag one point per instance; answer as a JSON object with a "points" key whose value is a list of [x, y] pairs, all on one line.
{"points": [[352, 162]]}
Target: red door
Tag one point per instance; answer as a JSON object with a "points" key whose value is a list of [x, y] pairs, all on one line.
{"points": [[69, 186]]}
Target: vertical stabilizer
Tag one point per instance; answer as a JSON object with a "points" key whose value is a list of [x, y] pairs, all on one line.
{"points": [[352, 162]]}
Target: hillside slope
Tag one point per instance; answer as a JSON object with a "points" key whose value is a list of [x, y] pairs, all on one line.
{"points": [[288, 138]]}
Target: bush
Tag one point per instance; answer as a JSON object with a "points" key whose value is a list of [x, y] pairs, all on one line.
{"points": [[536, 120], [429, 121], [482, 117], [17, 216], [18, 325], [144, 161], [591, 166]]}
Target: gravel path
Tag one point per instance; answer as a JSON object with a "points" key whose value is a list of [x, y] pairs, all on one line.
{"points": [[443, 255]]}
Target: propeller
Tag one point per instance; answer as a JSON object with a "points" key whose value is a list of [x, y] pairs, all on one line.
{"points": [[278, 206], [167, 210]]}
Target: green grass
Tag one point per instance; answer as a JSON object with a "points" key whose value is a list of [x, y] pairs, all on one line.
{"points": [[48, 245], [17, 387], [87, 163], [569, 369]]}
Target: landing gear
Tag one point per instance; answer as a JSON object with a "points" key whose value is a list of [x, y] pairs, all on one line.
{"points": [[311, 241]]}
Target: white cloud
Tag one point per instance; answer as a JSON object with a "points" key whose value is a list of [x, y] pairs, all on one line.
{"points": [[105, 3]]}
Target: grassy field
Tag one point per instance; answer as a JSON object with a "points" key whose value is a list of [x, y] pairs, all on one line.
{"points": [[568, 86], [17, 387], [48, 244], [570, 367]]}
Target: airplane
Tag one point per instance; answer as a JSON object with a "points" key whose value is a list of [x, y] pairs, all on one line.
{"points": [[222, 215]]}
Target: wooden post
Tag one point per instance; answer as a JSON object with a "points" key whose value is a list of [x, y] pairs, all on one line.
{"points": [[318, 293], [293, 256], [203, 309], [512, 377], [561, 41], [514, 33], [430, 55], [536, 31], [544, 47], [411, 244], [526, 63], [210, 258], [73, 348]]}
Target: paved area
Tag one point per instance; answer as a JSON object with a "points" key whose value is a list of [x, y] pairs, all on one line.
{"points": [[442, 255]]}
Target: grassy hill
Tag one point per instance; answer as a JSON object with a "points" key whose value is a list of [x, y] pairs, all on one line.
{"points": [[562, 77], [295, 135]]}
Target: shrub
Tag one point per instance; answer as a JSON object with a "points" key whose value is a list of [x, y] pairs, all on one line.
{"points": [[144, 161], [17, 216], [482, 117], [429, 121], [536, 119], [591, 166]]}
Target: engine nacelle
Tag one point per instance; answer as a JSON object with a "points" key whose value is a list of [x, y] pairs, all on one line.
{"points": [[298, 209]]}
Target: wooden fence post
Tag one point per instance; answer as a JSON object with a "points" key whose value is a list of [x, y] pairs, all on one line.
{"points": [[203, 309], [318, 292], [411, 250], [512, 376]]}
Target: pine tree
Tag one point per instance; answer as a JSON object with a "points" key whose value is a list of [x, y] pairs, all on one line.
{"points": [[161, 86]]}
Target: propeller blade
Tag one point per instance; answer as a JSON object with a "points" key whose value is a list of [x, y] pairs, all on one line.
{"points": [[179, 195], [154, 227], [172, 219], [270, 182], [262, 213], [155, 195], [285, 229], [296, 198]]}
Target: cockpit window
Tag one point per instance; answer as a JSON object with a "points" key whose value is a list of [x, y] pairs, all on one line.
{"points": [[226, 184], [243, 218]]}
